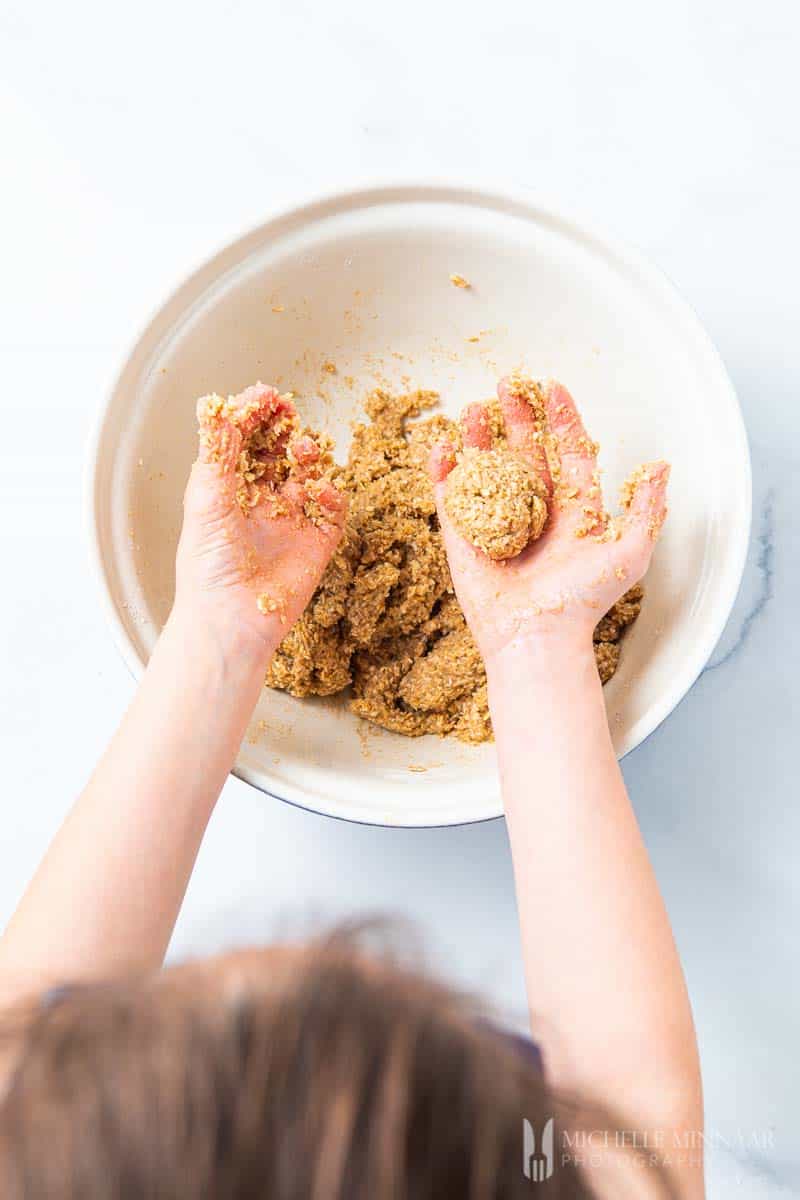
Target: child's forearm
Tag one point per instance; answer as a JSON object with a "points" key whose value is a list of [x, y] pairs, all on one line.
{"points": [[105, 898], [595, 933]]}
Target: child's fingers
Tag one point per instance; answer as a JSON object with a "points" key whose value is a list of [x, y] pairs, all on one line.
{"points": [[261, 405], [332, 502], [645, 511], [304, 450], [220, 440], [525, 424], [579, 498], [304, 455], [225, 424], [441, 461], [290, 499], [476, 428], [317, 499]]}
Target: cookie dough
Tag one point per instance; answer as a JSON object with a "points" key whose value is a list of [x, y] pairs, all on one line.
{"points": [[495, 501], [384, 619]]}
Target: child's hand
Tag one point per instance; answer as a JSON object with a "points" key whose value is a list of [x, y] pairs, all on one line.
{"points": [[252, 575], [563, 583]]}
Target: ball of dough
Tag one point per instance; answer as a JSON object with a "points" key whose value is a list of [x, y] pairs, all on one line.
{"points": [[495, 501]]}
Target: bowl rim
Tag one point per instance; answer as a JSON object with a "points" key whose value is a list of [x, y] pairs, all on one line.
{"points": [[306, 204]]}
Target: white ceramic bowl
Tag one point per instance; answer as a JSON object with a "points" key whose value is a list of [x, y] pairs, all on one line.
{"points": [[363, 279]]}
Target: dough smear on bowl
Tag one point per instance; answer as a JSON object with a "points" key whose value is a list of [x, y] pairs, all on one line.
{"points": [[384, 619]]}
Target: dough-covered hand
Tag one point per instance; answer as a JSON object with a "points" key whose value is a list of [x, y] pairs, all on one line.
{"points": [[584, 561], [261, 520]]}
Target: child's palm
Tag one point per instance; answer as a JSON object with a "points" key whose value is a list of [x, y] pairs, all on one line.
{"points": [[582, 564], [257, 566]]}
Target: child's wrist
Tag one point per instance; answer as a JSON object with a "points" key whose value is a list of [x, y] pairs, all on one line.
{"points": [[543, 658], [206, 631]]}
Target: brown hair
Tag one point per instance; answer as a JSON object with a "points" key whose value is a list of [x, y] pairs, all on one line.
{"points": [[313, 1073]]}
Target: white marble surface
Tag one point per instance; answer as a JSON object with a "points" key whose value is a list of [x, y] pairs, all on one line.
{"points": [[137, 138]]}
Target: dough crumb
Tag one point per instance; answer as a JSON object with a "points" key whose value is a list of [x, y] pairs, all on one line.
{"points": [[495, 501], [267, 604], [460, 282]]}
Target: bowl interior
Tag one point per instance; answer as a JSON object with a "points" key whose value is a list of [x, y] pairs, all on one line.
{"points": [[363, 281]]}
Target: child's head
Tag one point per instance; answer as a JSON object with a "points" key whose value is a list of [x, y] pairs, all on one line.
{"points": [[307, 1073]]}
